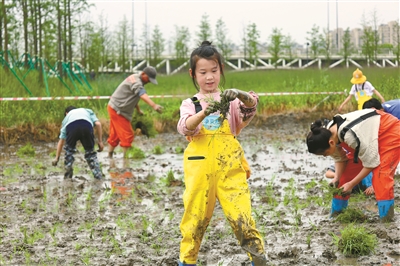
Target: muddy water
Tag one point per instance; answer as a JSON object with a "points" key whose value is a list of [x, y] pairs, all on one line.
{"points": [[132, 216]]}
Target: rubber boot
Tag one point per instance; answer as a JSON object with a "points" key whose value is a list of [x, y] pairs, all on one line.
{"points": [[338, 205], [386, 210]]}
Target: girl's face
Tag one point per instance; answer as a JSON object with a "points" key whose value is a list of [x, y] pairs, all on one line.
{"points": [[208, 75]]}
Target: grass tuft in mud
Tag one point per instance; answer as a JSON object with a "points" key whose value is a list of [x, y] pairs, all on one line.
{"points": [[355, 240], [351, 215], [26, 151], [135, 153]]}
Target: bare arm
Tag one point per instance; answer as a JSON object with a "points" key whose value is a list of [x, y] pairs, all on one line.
{"points": [[193, 121], [58, 152], [99, 130], [344, 103], [379, 95], [153, 105], [246, 98]]}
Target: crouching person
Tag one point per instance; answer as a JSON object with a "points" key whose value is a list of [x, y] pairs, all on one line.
{"points": [[78, 125], [372, 139]]}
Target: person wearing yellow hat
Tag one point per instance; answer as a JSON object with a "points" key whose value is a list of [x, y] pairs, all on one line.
{"points": [[362, 90]]}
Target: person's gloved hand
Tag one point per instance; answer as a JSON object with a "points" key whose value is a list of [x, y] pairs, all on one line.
{"points": [[211, 108], [230, 94], [55, 162]]}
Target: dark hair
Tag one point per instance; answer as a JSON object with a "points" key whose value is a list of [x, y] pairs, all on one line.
{"points": [[373, 102], [209, 52], [318, 139], [68, 109]]}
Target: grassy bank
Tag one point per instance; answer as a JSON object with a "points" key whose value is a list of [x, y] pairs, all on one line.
{"points": [[41, 119]]}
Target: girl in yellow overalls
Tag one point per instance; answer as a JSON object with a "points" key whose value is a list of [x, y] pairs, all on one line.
{"points": [[213, 161]]}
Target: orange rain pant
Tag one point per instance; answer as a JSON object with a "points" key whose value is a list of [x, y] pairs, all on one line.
{"points": [[121, 131], [389, 152]]}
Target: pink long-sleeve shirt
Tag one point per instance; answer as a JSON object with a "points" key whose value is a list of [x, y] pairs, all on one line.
{"points": [[239, 115]]}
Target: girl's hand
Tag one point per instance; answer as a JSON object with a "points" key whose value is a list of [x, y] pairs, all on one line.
{"points": [[211, 108], [346, 189], [230, 94], [334, 182]]}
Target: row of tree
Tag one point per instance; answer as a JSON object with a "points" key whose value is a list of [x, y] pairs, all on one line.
{"points": [[59, 30]]}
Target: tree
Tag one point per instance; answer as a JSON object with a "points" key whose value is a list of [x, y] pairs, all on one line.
{"points": [[5, 25], [276, 44], [288, 45], [368, 40], [315, 40], [145, 42], [325, 43], [222, 42], [347, 45], [157, 43], [253, 36], [204, 33], [123, 42], [182, 37]]}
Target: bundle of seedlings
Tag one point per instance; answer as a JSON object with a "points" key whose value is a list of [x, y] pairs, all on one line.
{"points": [[355, 240], [351, 215], [222, 106]]}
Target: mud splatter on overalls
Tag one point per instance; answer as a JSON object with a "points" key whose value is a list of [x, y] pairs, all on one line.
{"points": [[213, 170]]}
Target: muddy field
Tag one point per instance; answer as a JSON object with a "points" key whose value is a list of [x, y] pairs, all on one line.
{"points": [[132, 216]]}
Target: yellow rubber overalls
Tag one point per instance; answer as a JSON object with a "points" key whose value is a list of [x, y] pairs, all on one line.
{"points": [[213, 170], [362, 97]]}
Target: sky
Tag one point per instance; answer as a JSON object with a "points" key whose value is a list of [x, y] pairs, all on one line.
{"points": [[294, 18]]}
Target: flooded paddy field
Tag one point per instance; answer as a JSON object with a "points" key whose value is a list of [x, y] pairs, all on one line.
{"points": [[132, 216]]}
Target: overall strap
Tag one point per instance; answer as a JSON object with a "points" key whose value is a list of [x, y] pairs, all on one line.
{"points": [[352, 124], [197, 104]]}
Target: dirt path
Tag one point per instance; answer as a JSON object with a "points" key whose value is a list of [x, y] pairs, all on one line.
{"points": [[132, 217]]}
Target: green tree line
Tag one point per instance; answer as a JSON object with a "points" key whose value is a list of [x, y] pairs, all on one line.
{"points": [[60, 31]]}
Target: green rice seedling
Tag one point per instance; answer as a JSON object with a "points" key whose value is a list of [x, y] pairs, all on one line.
{"points": [[8, 180], [311, 184], [351, 215], [135, 153], [26, 151], [179, 149], [355, 240], [270, 197], [70, 198], [169, 178], [309, 236], [158, 150], [39, 168], [157, 246], [44, 195], [27, 255], [89, 195], [78, 246], [31, 238], [53, 230]]}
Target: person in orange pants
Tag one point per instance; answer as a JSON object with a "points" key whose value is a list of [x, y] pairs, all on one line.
{"points": [[372, 138], [122, 104]]}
